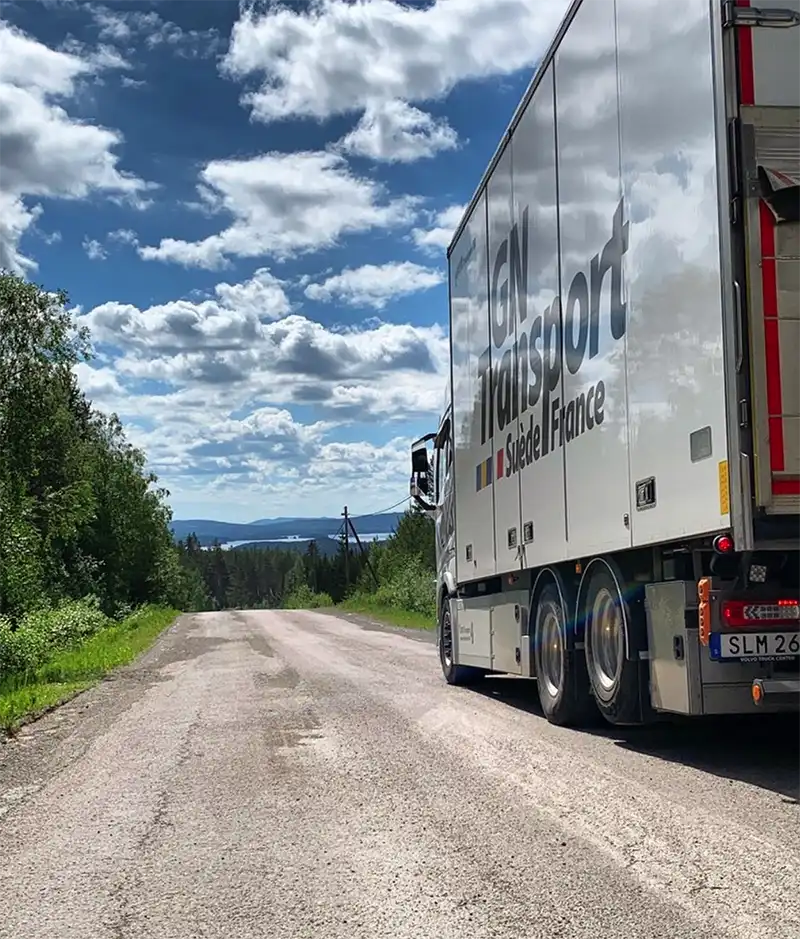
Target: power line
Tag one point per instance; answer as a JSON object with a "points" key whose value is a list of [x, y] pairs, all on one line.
{"points": [[382, 511]]}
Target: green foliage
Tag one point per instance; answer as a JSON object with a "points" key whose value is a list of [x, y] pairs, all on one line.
{"points": [[303, 597], [366, 604], [411, 586], [63, 672], [43, 632], [260, 578], [405, 565], [256, 577], [79, 513]]}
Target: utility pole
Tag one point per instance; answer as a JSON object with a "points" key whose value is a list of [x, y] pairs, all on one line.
{"points": [[363, 550], [346, 549]]}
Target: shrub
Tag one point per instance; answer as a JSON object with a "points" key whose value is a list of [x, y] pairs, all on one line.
{"points": [[411, 586], [304, 598], [42, 633]]}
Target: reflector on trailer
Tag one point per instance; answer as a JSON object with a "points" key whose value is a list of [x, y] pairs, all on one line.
{"points": [[739, 613]]}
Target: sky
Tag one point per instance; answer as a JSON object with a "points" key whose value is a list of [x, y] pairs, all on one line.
{"points": [[249, 205]]}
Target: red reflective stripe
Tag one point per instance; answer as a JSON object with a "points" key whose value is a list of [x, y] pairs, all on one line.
{"points": [[747, 82], [769, 287], [786, 487]]}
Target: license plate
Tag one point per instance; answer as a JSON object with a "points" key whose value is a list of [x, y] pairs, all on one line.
{"points": [[755, 646]]}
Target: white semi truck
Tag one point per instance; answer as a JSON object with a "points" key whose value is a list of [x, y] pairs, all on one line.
{"points": [[616, 478]]}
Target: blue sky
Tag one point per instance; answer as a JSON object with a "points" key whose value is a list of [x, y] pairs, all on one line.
{"points": [[249, 206]]}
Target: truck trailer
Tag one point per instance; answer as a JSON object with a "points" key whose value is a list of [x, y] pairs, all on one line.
{"points": [[615, 479]]}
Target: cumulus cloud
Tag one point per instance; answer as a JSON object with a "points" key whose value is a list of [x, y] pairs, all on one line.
{"points": [[97, 380], [43, 151], [437, 238], [245, 344], [15, 220], [226, 372], [283, 204], [229, 321], [374, 285], [271, 459], [335, 56], [396, 132]]}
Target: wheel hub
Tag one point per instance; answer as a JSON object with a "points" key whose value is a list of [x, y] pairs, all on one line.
{"points": [[552, 653], [447, 640], [606, 642]]}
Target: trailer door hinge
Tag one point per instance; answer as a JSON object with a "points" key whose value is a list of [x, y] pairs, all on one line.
{"points": [[736, 211], [776, 17], [744, 420]]}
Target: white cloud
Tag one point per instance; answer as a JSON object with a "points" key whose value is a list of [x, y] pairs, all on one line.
{"points": [[438, 237], [283, 204], [245, 345], [123, 236], [94, 250], [124, 26], [262, 296], [97, 381], [396, 132], [176, 330], [26, 63], [375, 285], [231, 368], [98, 58], [43, 151], [270, 459], [336, 56]]}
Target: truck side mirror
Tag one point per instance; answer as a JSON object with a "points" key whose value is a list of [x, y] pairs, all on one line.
{"points": [[419, 459], [421, 482]]}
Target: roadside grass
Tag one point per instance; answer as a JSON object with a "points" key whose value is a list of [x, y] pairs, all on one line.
{"points": [[393, 616], [67, 673]]}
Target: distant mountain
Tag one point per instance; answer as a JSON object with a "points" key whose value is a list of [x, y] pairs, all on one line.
{"points": [[278, 518], [208, 531]]}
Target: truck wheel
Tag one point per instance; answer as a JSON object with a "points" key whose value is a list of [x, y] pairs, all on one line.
{"points": [[560, 671], [454, 674], [615, 679]]}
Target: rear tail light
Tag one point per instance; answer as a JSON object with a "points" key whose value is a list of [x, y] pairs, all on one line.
{"points": [[723, 544], [746, 613]]}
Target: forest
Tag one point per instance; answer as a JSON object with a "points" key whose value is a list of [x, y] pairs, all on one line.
{"points": [[393, 575], [85, 537]]}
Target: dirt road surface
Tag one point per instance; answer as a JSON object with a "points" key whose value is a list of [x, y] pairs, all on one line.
{"points": [[281, 775]]}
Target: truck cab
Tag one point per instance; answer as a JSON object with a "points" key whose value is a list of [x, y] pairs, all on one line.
{"points": [[432, 489]]}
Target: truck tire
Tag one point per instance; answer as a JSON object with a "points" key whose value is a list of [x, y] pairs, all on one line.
{"points": [[560, 670], [454, 674], [616, 680]]}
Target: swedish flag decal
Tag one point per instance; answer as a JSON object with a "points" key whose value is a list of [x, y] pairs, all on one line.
{"points": [[483, 474]]}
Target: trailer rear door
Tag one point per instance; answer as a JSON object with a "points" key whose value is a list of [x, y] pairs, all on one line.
{"points": [[769, 112]]}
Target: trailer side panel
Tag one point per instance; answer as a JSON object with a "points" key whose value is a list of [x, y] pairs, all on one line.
{"points": [[676, 366], [470, 358]]}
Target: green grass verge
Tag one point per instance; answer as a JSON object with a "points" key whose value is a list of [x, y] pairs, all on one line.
{"points": [[66, 674], [387, 614]]}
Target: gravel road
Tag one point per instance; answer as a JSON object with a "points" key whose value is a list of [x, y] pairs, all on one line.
{"points": [[280, 775]]}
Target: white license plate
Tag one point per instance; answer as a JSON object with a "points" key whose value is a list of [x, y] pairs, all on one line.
{"points": [[753, 645]]}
